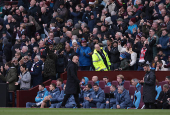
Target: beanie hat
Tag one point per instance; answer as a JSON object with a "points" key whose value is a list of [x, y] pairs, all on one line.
{"points": [[123, 55], [74, 41], [15, 17], [136, 6], [50, 42], [84, 2], [108, 19], [133, 20], [139, 35], [91, 2], [83, 41]]}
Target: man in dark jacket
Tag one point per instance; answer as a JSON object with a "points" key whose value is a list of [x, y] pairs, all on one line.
{"points": [[163, 97], [72, 85], [148, 81], [7, 50]]}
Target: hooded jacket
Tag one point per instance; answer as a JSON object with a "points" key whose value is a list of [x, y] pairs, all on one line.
{"points": [[41, 94]]}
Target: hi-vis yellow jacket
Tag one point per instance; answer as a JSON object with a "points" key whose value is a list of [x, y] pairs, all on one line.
{"points": [[98, 62]]}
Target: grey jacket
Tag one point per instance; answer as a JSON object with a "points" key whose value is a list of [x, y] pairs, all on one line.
{"points": [[25, 80]]}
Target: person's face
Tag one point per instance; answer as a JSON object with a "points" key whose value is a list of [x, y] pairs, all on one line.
{"points": [[75, 59], [94, 79], [17, 56], [51, 87], [166, 79], [117, 36], [97, 48], [74, 44], [133, 83], [92, 17], [59, 83], [51, 35], [40, 88], [143, 39], [96, 88], [151, 33], [94, 31], [166, 19], [50, 47], [22, 69], [119, 91], [13, 20], [167, 1], [41, 44], [87, 88], [25, 59], [18, 12], [35, 59], [106, 80], [119, 22], [77, 8], [41, 4], [112, 89], [103, 28], [130, 23], [108, 42], [61, 6], [154, 25], [128, 45], [156, 59], [32, 40], [160, 53], [163, 12], [64, 29], [165, 89], [6, 67], [25, 20], [145, 68], [83, 80], [119, 79], [115, 45], [67, 49], [164, 33], [84, 44]]}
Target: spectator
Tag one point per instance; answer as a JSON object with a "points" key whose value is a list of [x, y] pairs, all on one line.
{"points": [[24, 78], [106, 79], [124, 65], [100, 59], [167, 79], [132, 26], [36, 71], [60, 82], [111, 5], [160, 66], [112, 101], [41, 94], [122, 99], [84, 53], [95, 80], [163, 98], [96, 99], [52, 96], [120, 80], [154, 62], [28, 63], [84, 81]]}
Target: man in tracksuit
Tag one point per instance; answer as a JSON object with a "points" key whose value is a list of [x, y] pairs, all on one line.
{"points": [[41, 94], [96, 99], [70, 103], [109, 104], [52, 96], [122, 99]]}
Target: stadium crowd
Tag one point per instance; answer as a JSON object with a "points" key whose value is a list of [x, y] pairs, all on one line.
{"points": [[39, 37]]}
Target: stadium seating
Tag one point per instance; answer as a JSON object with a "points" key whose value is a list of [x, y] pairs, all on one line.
{"points": [[47, 87], [163, 83], [132, 91], [115, 83], [107, 89], [91, 82], [54, 81], [102, 85], [127, 85]]}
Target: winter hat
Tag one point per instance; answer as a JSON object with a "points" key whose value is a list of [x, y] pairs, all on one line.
{"points": [[150, 21], [70, 20], [133, 20], [83, 41], [5, 41], [139, 35], [96, 38], [92, 2], [136, 6], [91, 13], [84, 2], [74, 41], [37, 34], [123, 55], [50, 42], [15, 17], [108, 19], [163, 25], [43, 56]]}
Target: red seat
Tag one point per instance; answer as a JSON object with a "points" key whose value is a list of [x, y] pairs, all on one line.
{"points": [[107, 89], [54, 81], [115, 83], [91, 82], [163, 83], [142, 90], [127, 85], [65, 81], [82, 87], [132, 91], [47, 87], [102, 84]]}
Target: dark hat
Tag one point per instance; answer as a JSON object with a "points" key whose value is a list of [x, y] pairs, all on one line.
{"points": [[139, 35], [26, 16], [98, 21], [62, 3], [15, 17], [96, 38], [119, 19], [91, 13], [43, 56], [115, 42], [133, 20], [1, 24], [84, 2]]}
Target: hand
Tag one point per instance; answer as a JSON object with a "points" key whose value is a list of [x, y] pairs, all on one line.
{"points": [[71, 10], [7, 27], [107, 102], [87, 98], [19, 77], [118, 106], [7, 82], [90, 53], [2, 69], [91, 100], [134, 30], [120, 69], [161, 101], [16, 83], [155, 37], [98, 15], [141, 81], [40, 19], [71, 3], [80, 32]]}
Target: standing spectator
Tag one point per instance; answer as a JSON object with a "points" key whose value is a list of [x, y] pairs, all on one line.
{"points": [[24, 78], [148, 81], [84, 53], [36, 71], [124, 65], [28, 63], [7, 50]]}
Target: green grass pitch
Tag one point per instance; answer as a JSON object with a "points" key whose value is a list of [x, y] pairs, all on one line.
{"points": [[48, 111]]}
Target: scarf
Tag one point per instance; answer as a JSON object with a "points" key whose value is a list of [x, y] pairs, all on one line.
{"points": [[142, 55]]}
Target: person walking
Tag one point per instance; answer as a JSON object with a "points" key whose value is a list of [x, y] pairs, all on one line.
{"points": [[72, 85], [148, 82]]}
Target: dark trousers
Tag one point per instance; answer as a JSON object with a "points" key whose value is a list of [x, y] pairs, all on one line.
{"points": [[115, 66], [149, 106], [76, 97], [85, 68], [163, 105]]}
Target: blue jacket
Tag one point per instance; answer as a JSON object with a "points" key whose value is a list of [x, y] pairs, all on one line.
{"points": [[36, 74], [108, 84], [122, 83], [124, 99], [87, 94], [97, 82], [86, 81], [29, 65], [84, 60], [113, 100], [131, 28], [76, 16], [91, 24], [54, 94], [164, 41], [98, 96], [138, 87], [41, 94]]}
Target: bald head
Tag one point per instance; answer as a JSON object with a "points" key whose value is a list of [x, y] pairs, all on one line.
{"points": [[67, 48], [43, 10], [97, 47], [94, 79], [69, 34], [75, 59]]}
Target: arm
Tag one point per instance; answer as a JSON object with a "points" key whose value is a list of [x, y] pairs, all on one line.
{"points": [[74, 75], [26, 78], [121, 49], [133, 58], [151, 81], [127, 100], [37, 99], [13, 76], [88, 51], [56, 97], [126, 65], [75, 14], [36, 71]]}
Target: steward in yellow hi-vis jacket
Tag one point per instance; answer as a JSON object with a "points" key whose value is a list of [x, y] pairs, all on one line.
{"points": [[100, 59]]}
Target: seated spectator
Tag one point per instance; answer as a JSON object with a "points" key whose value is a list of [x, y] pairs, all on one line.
{"points": [[84, 81], [24, 78], [86, 92], [106, 79], [95, 80], [41, 94], [168, 63], [112, 101], [96, 99], [60, 82], [52, 96], [120, 80], [124, 65], [161, 55], [160, 66], [154, 62], [167, 79], [70, 103], [164, 98], [135, 82], [122, 99]]}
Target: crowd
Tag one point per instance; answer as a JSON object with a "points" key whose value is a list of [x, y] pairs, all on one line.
{"points": [[39, 37]]}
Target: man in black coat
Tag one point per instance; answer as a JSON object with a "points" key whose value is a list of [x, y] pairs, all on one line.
{"points": [[72, 85], [149, 93]]}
